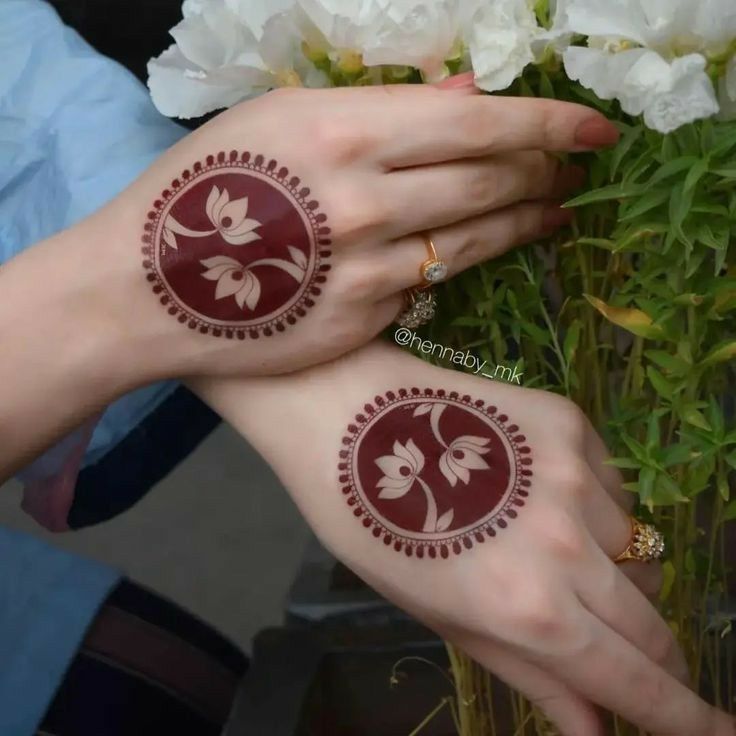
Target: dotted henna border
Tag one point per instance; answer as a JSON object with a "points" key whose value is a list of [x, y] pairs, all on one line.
{"points": [[459, 542], [301, 194]]}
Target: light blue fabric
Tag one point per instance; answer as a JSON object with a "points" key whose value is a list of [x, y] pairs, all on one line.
{"points": [[47, 601], [75, 129]]}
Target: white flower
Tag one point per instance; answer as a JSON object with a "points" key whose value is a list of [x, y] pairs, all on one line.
{"points": [[501, 42], [462, 456], [651, 55], [231, 218], [227, 51], [233, 279], [418, 33], [400, 470]]}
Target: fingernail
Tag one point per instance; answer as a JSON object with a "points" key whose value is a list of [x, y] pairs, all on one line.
{"points": [[555, 217], [459, 81], [596, 132]]}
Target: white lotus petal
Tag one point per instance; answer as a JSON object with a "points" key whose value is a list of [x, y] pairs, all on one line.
{"points": [[218, 206], [462, 472], [444, 522], [236, 210], [298, 257], [394, 493], [170, 239], [246, 226], [240, 239], [470, 442], [391, 466], [447, 470], [212, 199], [472, 461], [417, 456], [254, 295], [221, 261], [228, 285], [216, 273], [422, 409], [387, 482]]}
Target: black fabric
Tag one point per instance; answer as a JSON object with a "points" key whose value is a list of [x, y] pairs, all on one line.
{"points": [[146, 456], [99, 698], [129, 31]]}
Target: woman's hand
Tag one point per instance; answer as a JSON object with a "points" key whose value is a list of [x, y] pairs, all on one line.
{"points": [[282, 233], [488, 512]]}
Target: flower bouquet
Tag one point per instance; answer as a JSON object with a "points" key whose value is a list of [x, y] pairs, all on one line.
{"points": [[631, 314]]}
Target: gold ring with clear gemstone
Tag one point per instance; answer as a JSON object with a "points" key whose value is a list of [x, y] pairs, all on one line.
{"points": [[646, 543], [433, 270], [421, 306]]}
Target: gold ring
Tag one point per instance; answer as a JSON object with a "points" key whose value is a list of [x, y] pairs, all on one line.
{"points": [[434, 270], [421, 307], [646, 543]]}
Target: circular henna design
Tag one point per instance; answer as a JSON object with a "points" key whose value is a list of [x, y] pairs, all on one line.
{"points": [[237, 247], [432, 473]]}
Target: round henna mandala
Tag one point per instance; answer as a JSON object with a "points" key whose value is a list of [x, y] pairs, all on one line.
{"points": [[237, 247], [433, 473]]}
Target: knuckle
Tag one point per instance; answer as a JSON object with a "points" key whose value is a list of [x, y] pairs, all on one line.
{"points": [[339, 139], [564, 538], [354, 213], [482, 189]]}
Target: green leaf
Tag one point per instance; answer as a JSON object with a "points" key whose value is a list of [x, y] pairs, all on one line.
{"points": [[636, 449], [730, 513], [646, 203], [675, 455], [572, 340], [598, 243], [671, 168], [670, 363], [698, 171], [723, 353], [634, 320], [694, 417], [625, 463], [653, 435], [731, 459], [723, 488], [647, 476], [661, 385], [469, 322], [606, 194], [624, 146], [669, 575]]}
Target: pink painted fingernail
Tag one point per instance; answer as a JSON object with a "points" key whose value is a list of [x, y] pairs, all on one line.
{"points": [[596, 132], [459, 81], [556, 217]]}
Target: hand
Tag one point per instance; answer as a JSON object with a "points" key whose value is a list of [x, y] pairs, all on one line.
{"points": [[507, 553], [283, 233]]}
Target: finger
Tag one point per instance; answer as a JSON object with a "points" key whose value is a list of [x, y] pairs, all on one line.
{"points": [[571, 714], [463, 245], [472, 126], [611, 672], [608, 475], [610, 595], [428, 197], [647, 576]]}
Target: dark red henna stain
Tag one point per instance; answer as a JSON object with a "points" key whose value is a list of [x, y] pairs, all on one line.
{"points": [[432, 473], [236, 247]]}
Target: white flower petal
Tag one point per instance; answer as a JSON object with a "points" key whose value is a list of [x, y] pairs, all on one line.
{"points": [[468, 441], [170, 239], [229, 284], [218, 206], [253, 295], [422, 409], [247, 226], [462, 472], [387, 482], [501, 43]]}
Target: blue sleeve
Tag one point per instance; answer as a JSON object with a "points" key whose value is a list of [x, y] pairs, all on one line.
{"points": [[75, 129], [48, 599]]}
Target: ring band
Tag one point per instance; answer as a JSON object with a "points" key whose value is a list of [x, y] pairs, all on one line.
{"points": [[646, 543], [434, 270], [420, 310]]}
